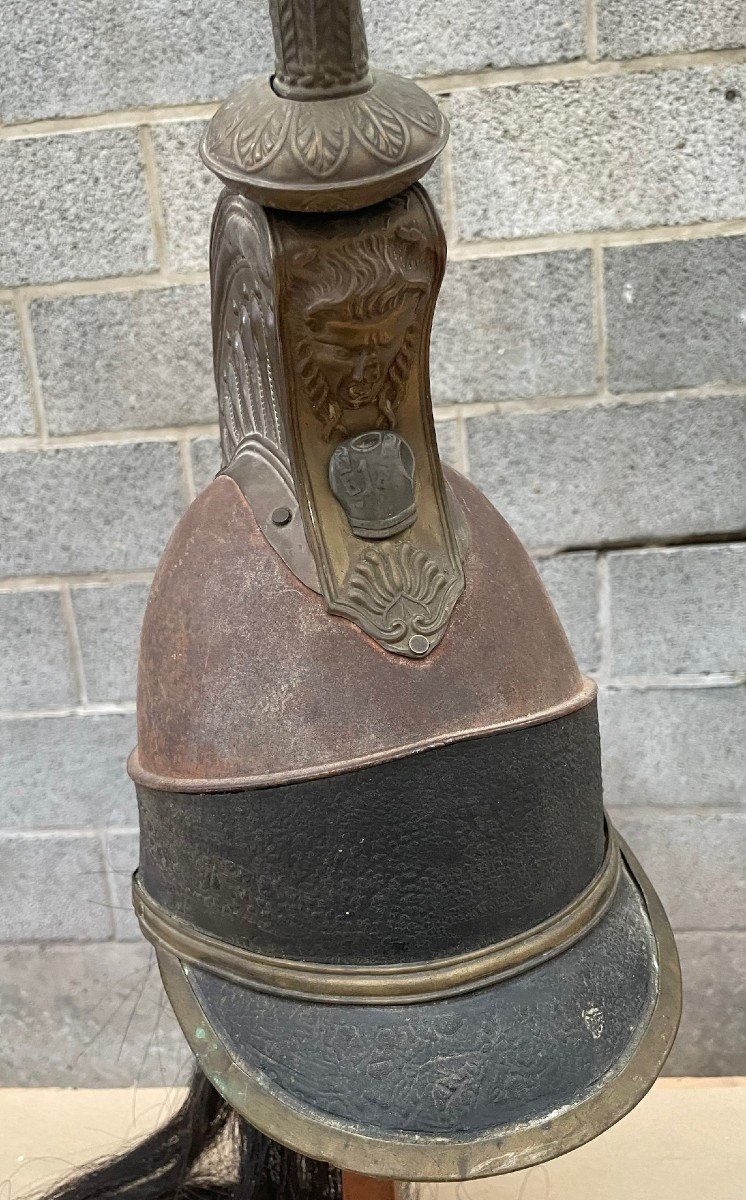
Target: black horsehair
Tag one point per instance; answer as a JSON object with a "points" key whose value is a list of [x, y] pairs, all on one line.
{"points": [[205, 1151]]}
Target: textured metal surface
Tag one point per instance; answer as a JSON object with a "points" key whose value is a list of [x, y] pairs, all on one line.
{"points": [[268, 486], [324, 133], [321, 49], [320, 331], [215, 710], [481, 1084], [246, 350]]}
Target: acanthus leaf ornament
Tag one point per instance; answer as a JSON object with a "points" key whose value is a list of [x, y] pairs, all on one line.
{"points": [[261, 143], [320, 47], [418, 106], [360, 147], [324, 133], [319, 146], [380, 128], [245, 350]]}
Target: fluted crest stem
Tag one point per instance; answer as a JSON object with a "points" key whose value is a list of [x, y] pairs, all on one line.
{"points": [[320, 48]]}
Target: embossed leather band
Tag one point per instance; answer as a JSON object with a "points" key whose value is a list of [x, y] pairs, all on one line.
{"points": [[407, 983]]}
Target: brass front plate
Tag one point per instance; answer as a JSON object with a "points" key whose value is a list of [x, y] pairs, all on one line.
{"points": [[355, 299]]}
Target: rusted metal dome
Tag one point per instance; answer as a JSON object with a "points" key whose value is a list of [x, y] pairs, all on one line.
{"points": [[245, 680]]}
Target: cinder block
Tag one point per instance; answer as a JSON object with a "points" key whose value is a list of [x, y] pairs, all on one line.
{"points": [[87, 1016], [92, 508], [86, 56], [507, 327], [122, 855], [676, 314], [157, 54], [674, 746], [712, 1037], [433, 182], [678, 610], [76, 207], [570, 580], [66, 772], [426, 37], [205, 461], [53, 888], [109, 621], [189, 192], [36, 670], [449, 449], [580, 477], [695, 861], [16, 414], [630, 30], [126, 361], [654, 148]]}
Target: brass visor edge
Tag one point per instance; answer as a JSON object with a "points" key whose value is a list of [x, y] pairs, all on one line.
{"points": [[407, 983]]}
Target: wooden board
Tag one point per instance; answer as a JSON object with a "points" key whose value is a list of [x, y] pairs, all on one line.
{"points": [[685, 1141]]}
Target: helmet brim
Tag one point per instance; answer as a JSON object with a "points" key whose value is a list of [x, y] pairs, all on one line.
{"points": [[473, 1085]]}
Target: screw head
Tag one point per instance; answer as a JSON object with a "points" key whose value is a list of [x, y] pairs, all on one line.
{"points": [[282, 516], [419, 644]]}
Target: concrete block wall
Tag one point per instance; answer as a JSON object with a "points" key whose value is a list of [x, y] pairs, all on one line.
{"points": [[589, 373]]}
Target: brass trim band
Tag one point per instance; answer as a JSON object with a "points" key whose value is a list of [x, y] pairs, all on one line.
{"points": [[406, 983]]}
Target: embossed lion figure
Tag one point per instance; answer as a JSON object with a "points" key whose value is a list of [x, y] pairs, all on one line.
{"points": [[359, 306]]}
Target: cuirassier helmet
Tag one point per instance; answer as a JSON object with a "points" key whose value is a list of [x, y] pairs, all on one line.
{"points": [[393, 920]]}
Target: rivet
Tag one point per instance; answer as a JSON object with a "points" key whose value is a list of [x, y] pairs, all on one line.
{"points": [[281, 516], [419, 644]]}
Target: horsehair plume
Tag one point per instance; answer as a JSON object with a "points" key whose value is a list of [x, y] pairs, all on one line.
{"points": [[205, 1151]]}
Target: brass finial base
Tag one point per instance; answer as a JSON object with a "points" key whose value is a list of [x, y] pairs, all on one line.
{"points": [[326, 155], [325, 133]]}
